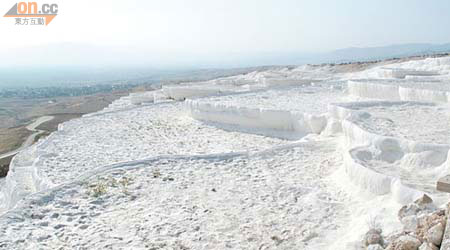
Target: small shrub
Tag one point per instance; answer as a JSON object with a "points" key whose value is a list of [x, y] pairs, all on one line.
{"points": [[156, 173], [101, 187], [98, 189], [125, 181]]}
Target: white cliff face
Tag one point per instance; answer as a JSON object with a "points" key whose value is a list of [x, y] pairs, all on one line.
{"points": [[288, 158]]}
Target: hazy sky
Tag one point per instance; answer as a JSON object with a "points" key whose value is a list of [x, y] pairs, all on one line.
{"points": [[208, 29]]}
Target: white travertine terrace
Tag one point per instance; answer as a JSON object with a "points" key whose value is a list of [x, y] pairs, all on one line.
{"points": [[287, 157]]}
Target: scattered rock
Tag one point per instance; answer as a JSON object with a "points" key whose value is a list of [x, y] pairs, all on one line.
{"points": [[410, 223], [428, 246], [424, 200], [434, 234], [392, 237], [373, 237], [425, 222], [423, 228], [408, 210], [405, 242], [423, 205], [440, 212]]}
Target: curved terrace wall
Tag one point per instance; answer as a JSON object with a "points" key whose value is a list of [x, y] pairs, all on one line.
{"points": [[361, 145], [23, 177], [282, 120]]}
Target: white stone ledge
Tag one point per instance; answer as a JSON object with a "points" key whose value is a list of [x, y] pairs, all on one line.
{"points": [[281, 120], [393, 92]]}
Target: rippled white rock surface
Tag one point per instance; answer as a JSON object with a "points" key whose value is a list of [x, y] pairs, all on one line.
{"points": [[280, 198], [265, 160]]}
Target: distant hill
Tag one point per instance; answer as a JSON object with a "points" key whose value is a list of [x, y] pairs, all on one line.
{"points": [[75, 64], [379, 53], [351, 54]]}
